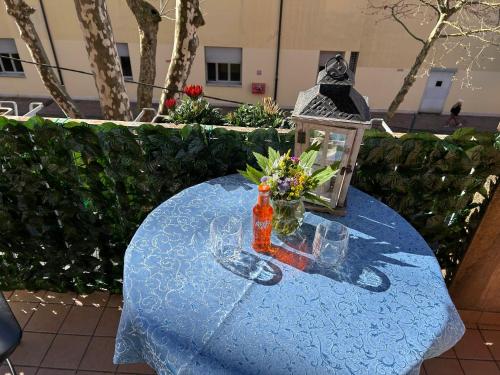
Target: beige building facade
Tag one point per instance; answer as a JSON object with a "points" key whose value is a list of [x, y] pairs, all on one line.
{"points": [[238, 49]]}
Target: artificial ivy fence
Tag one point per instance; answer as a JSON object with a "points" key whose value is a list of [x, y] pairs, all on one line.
{"points": [[441, 187], [72, 195]]}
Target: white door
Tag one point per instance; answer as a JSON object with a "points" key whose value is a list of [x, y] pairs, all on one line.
{"points": [[436, 91]]}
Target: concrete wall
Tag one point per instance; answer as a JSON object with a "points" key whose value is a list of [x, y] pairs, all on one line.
{"points": [[476, 285], [386, 52]]}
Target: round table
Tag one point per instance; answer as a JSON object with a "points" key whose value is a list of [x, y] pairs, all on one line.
{"points": [[383, 311]]}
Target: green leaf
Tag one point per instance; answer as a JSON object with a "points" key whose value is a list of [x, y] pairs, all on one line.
{"points": [[273, 155], [262, 161], [185, 131], [314, 198], [314, 147], [248, 176], [252, 174], [323, 175], [308, 158]]}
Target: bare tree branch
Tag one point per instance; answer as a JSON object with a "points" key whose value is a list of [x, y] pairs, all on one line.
{"points": [[471, 32], [163, 5], [396, 18], [430, 5]]}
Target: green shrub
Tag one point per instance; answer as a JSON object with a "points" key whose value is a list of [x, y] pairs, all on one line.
{"points": [[260, 115], [195, 111]]}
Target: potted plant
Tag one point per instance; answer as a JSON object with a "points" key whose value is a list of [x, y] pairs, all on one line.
{"points": [[291, 179]]}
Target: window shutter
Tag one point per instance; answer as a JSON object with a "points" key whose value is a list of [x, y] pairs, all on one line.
{"points": [[223, 55], [122, 49]]}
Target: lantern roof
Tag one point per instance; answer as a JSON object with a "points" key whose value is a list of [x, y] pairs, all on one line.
{"points": [[333, 96]]}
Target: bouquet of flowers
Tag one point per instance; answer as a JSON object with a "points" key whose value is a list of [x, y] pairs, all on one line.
{"points": [[291, 179]]}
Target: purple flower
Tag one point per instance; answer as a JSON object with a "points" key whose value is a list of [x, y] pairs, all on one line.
{"points": [[295, 159], [264, 179], [283, 186]]}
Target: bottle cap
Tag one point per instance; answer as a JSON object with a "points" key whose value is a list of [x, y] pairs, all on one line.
{"points": [[264, 188]]}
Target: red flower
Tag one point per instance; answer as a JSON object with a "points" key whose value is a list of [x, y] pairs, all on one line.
{"points": [[193, 91], [170, 103]]}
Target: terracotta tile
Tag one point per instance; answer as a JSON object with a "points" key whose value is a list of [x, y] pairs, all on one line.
{"points": [[62, 298], [443, 366], [489, 320], [96, 299], [108, 325], [66, 352], [7, 294], [32, 348], [135, 368], [492, 340], [21, 370], [471, 367], [115, 300], [99, 355], [448, 354], [23, 311], [47, 318], [472, 346], [81, 320], [27, 296], [53, 371], [470, 317]]}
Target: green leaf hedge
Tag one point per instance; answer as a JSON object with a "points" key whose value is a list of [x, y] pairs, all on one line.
{"points": [[73, 194], [441, 186]]}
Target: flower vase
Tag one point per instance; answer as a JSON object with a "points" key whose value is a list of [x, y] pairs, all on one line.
{"points": [[288, 215]]}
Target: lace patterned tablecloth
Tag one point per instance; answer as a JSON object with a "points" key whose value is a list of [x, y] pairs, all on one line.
{"points": [[384, 311]]}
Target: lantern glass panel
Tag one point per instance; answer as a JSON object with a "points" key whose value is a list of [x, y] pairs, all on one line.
{"points": [[336, 147], [316, 136]]}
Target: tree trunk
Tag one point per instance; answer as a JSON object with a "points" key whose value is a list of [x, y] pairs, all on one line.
{"points": [[103, 58], [411, 76], [21, 12], [188, 20], [148, 19]]}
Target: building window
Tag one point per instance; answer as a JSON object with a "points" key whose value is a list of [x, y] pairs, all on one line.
{"points": [[9, 67], [353, 61], [324, 56], [124, 60], [223, 65]]}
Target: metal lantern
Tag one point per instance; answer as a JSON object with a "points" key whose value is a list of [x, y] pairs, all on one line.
{"points": [[336, 115]]}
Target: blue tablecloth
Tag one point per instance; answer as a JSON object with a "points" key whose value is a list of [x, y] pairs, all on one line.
{"points": [[382, 312]]}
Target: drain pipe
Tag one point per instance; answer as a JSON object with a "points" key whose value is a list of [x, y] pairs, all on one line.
{"points": [[278, 50], [51, 42]]}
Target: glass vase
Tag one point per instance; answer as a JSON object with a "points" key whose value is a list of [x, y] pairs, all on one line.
{"points": [[288, 215]]}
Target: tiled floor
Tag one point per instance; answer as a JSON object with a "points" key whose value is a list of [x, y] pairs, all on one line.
{"points": [[69, 334]]}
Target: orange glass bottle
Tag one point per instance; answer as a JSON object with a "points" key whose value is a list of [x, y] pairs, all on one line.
{"points": [[262, 220]]}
